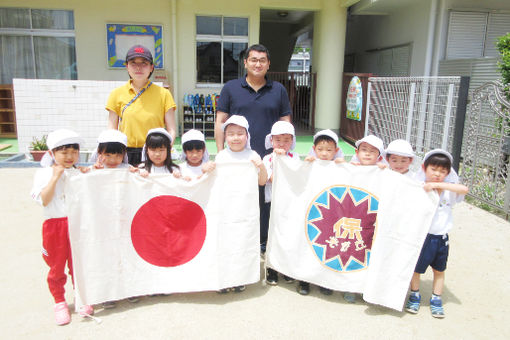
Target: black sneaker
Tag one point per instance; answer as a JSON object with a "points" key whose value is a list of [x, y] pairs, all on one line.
{"points": [[288, 279], [223, 291], [325, 291], [239, 289], [272, 277], [303, 288]]}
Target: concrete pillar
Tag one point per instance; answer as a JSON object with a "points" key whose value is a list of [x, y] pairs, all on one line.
{"points": [[328, 61]]}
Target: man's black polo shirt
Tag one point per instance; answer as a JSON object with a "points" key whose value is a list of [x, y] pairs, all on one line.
{"points": [[262, 109]]}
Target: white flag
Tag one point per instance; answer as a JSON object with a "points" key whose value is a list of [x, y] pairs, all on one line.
{"points": [[348, 228], [132, 236]]}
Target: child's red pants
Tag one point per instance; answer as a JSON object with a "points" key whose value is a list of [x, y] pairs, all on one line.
{"points": [[56, 252]]}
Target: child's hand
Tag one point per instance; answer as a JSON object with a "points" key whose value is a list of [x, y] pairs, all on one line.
{"points": [[176, 173], [279, 151], [355, 163], [309, 158], [257, 162], [208, 167], [144, 173], [187, 178], [133, 169], [381, 165], [428, 187], [58, 170], [84, 169], [99, 163], [339, 160]]}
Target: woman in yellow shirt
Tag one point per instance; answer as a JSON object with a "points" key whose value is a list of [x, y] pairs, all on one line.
{"points": [[140, 105]]}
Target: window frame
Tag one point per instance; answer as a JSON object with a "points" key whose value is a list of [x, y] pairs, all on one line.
{"points": [[221, 39], [39, 32]]}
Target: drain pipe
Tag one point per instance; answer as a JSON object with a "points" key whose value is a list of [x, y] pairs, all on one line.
{"points": [[430, 38], [440, 37], [175, 78]]}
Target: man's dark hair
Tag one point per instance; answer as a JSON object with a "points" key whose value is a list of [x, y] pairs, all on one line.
{"points": [[258, 48]]}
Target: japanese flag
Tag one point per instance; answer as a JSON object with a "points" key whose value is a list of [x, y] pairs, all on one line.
{"points": [[133, 236]]}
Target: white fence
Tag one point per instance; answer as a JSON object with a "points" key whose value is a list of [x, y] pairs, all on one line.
{"points": [[421, 110]]}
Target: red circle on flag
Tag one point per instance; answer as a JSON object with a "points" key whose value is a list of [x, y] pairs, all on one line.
{"points": [[168, 231]]}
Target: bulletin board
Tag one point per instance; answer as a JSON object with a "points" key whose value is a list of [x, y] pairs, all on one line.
{"points": [[120, 37]]}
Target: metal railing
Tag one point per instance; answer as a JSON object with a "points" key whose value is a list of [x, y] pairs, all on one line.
{"points": [[301, 88]]}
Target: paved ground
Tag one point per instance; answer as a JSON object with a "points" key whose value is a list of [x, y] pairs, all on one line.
{"points": [[476, 297]]}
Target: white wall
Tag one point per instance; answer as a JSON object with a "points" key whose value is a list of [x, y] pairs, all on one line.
{"points": [[43, 105], [403, 26]]}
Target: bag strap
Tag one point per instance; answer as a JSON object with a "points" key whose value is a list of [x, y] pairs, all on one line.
{"points": [[132, 100]]}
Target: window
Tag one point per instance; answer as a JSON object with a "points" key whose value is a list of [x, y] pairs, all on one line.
{"points": [[473, 34], [220, 43], [36, 43]]}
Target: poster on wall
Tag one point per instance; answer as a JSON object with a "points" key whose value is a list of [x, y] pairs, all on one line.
{"points": [[120, 37], [354, 101]]}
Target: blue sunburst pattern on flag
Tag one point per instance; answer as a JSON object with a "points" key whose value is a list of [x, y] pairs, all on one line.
{"points": [[340, 226]]}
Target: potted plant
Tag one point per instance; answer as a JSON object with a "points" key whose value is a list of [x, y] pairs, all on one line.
{"points": [[38, 147]]}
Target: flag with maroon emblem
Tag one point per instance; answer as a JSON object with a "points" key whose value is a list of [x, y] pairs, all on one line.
{"points": [[133, 236], [348, 228]]}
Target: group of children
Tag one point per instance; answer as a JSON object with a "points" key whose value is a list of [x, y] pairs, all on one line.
{"points": [[436, 174]]}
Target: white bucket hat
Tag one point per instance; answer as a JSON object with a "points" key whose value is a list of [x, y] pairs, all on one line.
{"points": [[376, 142], [400, 147], [330, 134], [155, 130], [192, 135], [241, 121], [112, 136], [58, 138], [452, 176], [281, 128]]}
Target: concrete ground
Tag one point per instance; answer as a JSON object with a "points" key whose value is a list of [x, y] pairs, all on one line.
{"points": [[477, 299]]}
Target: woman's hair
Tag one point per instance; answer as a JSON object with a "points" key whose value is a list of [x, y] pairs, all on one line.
{"points": [[67, 146], [439, 160], [111, 147], [158, 140], [193, 145]]}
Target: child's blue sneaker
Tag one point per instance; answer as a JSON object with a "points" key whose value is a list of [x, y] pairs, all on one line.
{"points": [[436, 308], [413, 303]]}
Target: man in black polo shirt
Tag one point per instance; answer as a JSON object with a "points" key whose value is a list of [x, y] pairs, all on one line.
{"points": [[262, 101]]}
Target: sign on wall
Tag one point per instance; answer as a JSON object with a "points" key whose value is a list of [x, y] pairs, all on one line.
{"points": [[121, 37], [354, 101]]}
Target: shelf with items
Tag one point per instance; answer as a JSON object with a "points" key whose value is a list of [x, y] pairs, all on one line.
{"points": [[7, 112], [199, 113]]}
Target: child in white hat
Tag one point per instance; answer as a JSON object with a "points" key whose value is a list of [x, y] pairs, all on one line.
{"points": [[195, 156], [238, 149], [400, 155], [437, 172], [325, 147], [48, 190], [369, 151], [282, 140], [156, 153], [111, 150]]}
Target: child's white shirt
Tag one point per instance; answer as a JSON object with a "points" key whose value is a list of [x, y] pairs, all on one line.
{"points": [[227, 155], [268, 163], [56, 207], [159, 170], [190, 171], [442, 222]]}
